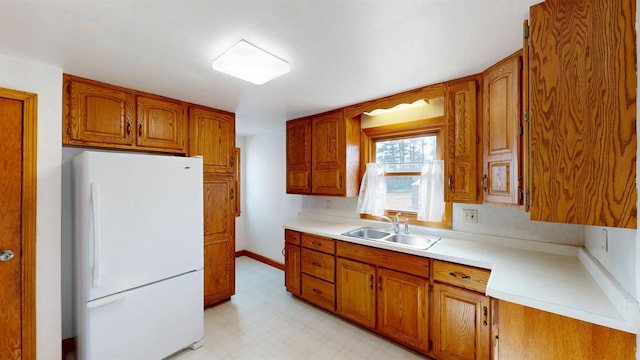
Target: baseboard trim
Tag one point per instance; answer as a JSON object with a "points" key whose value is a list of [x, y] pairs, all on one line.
{"points": [[68, 345], [262, 259]]}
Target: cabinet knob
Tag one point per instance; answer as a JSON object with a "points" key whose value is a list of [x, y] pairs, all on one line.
{"points": [[6, 255]]}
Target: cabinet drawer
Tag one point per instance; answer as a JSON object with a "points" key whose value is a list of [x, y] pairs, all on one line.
{"points": [[318, 264], [319, 292], [318, 243], [291, 237], [460, 275]]}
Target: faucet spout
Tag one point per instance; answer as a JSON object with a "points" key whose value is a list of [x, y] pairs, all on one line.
{"points": [[395, 223]]}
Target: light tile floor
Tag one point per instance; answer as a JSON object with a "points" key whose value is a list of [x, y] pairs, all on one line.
{"points": [[263, 321]]}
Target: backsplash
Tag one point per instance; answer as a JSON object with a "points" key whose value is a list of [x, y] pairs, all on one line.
{"points": [[492, 220]]}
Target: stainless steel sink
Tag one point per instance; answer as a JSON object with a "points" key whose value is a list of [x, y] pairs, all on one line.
{"points": [[419, 242], [367, 233], [407, 240]]}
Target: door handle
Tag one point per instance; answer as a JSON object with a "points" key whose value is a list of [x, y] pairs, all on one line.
{"points": [[6, 255]]}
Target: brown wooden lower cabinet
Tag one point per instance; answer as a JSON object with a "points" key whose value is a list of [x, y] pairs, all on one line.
{"points": [[461, 324], [292, 274], [356, 295], [447, 317], [531, 334], [391, 302]]}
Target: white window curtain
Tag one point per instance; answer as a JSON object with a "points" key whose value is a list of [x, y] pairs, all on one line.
{"points": [[431, 191], [373, 191]]}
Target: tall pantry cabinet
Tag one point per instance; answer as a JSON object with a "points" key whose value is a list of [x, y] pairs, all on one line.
{"points": [[212, 135]]}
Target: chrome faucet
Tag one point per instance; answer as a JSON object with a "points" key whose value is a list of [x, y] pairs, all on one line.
{"points": [[395, 222]]}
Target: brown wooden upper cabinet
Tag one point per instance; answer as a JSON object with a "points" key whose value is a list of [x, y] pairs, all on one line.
{"points": [[299, 156], [502, 132], [212, 135], [106, 116], [161, 123], [582, 98], [462, 141], [334, 149]]}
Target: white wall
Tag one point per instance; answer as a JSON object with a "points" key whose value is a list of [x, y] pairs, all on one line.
{"points": [[616, 253], [266, 201], [46, 82]]}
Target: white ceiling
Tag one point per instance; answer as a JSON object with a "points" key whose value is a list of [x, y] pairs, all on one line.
{"points": [[341, 52]]}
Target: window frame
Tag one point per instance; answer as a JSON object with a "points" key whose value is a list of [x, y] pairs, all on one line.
{"points": [[424, 127]]}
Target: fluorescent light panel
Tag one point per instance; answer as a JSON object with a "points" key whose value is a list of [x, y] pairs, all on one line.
{"points": [[250, 63]]}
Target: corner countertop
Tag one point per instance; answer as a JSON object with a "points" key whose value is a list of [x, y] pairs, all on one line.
{"points": [[560, 279]]}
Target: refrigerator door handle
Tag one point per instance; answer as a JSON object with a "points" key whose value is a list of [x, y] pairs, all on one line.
{"points": [[95, 201], [106, 300]]}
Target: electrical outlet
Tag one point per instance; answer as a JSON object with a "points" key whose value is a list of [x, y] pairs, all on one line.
{"points": [[604, 243], [470, 216]]}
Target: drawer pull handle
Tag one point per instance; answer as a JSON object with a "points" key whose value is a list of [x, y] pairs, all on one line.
{"points": [[315, 264], [316, 291], [484, 315], [460, 275], [315, 243], [371, 281]]}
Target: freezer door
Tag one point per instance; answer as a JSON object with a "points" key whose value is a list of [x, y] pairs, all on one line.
{"points": [[138, 220], [151, 322]]}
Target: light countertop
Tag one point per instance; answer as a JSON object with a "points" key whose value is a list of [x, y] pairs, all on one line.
{"points": [[560, 279]]}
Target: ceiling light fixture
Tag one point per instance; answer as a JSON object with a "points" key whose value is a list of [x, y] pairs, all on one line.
{"points": [[250, 63]]}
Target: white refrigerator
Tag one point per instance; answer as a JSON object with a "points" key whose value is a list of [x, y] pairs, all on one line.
{"points": [[138, 238]]}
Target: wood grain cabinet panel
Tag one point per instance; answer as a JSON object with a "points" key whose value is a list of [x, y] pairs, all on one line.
{"points": [[101, 115], [392, 302], [97, 115], [461, 324], [403, 308], [461, 142], [219, 238], [355, 292], [582, 99], [502, 150], [212, 135], [531, 334], [319, 292], [292, 272], [299, 156], [161, 123], [328, 164]]}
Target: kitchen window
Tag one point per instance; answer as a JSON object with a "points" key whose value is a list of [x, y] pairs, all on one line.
{"points": [[405, 173]]}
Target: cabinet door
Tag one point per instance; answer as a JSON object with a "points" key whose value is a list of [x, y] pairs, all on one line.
{"points": [[582, 98], [462, 140], [403, 308], [299, 156], [98, 115], [212, 135], [461, 324], [328, 153], [219, 229], [292, 268], [502, 132], [355, 292], [161, 124]]}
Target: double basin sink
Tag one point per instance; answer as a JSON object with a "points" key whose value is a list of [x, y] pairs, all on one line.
{"points": [[421, 242]]}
